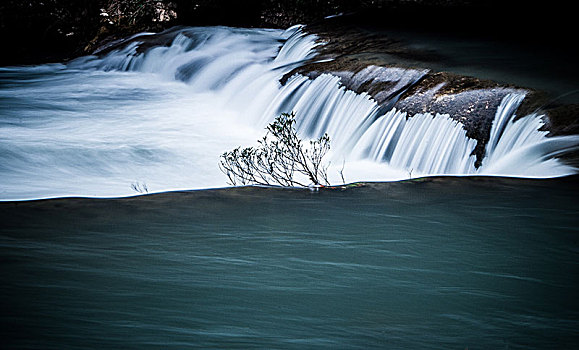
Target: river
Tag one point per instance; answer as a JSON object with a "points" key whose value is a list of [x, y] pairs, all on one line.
{"points": [[118, 230], [454, 263]]}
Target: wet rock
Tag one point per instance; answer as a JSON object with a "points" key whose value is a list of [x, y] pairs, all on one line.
{"points": [[394, 76]]}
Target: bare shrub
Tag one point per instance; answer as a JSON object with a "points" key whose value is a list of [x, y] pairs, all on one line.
{"points": [[280, 157]]}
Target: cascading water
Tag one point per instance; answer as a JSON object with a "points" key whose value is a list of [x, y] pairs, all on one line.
{"points": [[160, 109], [519, 148]]}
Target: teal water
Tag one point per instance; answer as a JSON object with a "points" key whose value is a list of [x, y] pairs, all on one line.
{"points": [[442, 263]]}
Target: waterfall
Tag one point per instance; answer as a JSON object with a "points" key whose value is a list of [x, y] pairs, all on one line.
{"points": [[160, 109], [423, 144]]}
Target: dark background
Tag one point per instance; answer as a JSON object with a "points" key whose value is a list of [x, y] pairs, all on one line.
{"points": [[54, 30]]}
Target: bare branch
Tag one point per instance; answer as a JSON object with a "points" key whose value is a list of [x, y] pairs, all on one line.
{"points": [[278, 158]]}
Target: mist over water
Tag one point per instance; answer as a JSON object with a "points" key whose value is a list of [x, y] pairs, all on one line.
{"points": [[160, 114]]}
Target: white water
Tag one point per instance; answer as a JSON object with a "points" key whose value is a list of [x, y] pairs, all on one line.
{"points": [[96, 126]]}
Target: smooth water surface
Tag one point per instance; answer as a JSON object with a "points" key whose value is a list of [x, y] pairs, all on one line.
{"points": [[442, 263]]}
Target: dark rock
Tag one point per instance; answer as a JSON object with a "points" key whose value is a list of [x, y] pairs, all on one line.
{"points": [[38, 31], [394, 76]]}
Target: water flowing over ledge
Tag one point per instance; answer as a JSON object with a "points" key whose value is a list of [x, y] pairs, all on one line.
{"points": [[158, 110]]}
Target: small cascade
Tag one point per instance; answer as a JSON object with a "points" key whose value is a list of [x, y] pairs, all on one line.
{"points": [[298, 46], [434, 145], [207, 58], [424, 144], [518, 147], [323, 106], [505, 112]]}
